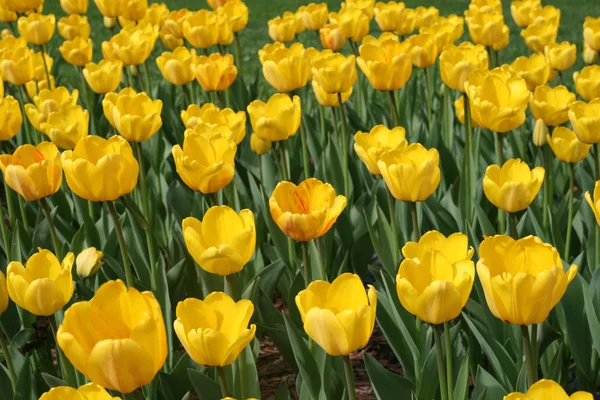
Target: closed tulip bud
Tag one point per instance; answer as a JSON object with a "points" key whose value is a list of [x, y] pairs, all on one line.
{"points": [[488, 29], [135, 10], [74, 26], [88, 262], [329, 99], [74, 6], [335, 73], [332, 37], [456, 62], [283, 29], [407, 24], [3, 294], [590, 56], [539, 35], [110, 8], [459, 109], [22, 6], [561, 56], [338, 316], [534, 70], [101, 169], [277, 119], [258, 145], [411, 173], [387, 64], [566, 146], [307, 211], [591, 32], [77, 51], [37, 28], [177, 67], [7, 15], [547, 389], [105, 76], [223, 242], [212, 116], [125, 348], [514, 186], [67, 126], [369, 146], [522, 279], [425, 15], [423, 50], [5, 33], [49, 101], [585, 119], [16, 65], [314, 16], [90, 391], [287, 69], [540, 132], [214, 331], [485, 6], [524, 11], [11, 118], [587, 82], [215, 72], [205, 164], [43, 286], [33, 171], [498, 99], [552, 104], [132, 45], [237, 14], [201, 29], [436, 277], [135, 117], [353, 23], [388, 15], [109, 22]]}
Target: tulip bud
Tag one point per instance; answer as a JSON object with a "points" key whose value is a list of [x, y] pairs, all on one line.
{"points": [[5, 33], [89, 262], [539, 133], [258, 145], [110, 22], [589, 55], [3, 294], [133, 69]]}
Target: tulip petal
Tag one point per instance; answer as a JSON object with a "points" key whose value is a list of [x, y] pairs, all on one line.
{"points": [[325, 329]]}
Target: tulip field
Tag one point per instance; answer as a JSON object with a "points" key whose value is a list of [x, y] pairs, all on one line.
{"points": [[232, 199]]}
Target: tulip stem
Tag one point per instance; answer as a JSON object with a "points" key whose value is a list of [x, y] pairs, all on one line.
{"points": [[322, 126], [546, 191], [55, 241], [440, 362], [415, 221], [10, 207], [8, 359], [394, 225], [344, 148], [429, 99], [335, 124], [222, 382], [500, 160], [238, 54], [597, 167], [25, 118], [449, 367], [283, 159], [393, 109], [531, 372], [305, 156], [349, 378], [467, 157], [560, 77], [65, 367], [231, 286], [219, 98], [46, 67], [122, 244], [513, 226], [306, 263], [5, 237], [570, 217]]}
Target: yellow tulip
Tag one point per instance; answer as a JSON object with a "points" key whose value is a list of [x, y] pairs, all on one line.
{"points": [[172, 30], [332, 37], [283, 29], [425, 15], [314, 15], [485, 6], [522, 279], [258, 145], [387, 64], [77, 51], [22, 6], [540, 132], [33, 171], [338, 316], [595, 202], [131, 45], [3, 294], [411, 173], [423, 50], [514, 186], [88, 262], [135, 10], [37, 28], [110, 8], [105, 76], [99, 169], [48, 102], [74, 6], [237, 14], [389, 15], [366, 6], [109, 22], [436, 277], [214, 331], [286, 69], [329, 99], [7, 15], [587, 82], [212, 116], [585, 119], [539, 35], [552, 104], [547, 389], [353, 23], [43, 286], [136, 118], [90, 391], [591, 32], [225, 31], [444, 30], [335, 72], [566, 146], [67, 126], [488, 29], [459, 109], [534, 70], [407, 24], [11, 118], [277, 119], [369, 146], [39, 68], [16, 65], [11, 42], [300, 27], [215, 72], [307, 211], [215, 4], [117, 339], [524, 11], [156, 14], [498, 100], [590, 56], [201, 29], [169, 41], [177, 67], [223, 242], [561, 56], [74, 26], [34, 87], [456, 62], [549, 15], [206, 163]]}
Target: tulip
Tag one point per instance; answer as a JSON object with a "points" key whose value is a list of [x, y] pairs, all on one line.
{"points": [[549, 15], [37, 28], [386, 64], [595, 202], [587, 82], [77, 51], [585, 119], [171, 34], [436, 277], [33, 171], [236, 13], [41, 61], [11, 43], [168, 40], [423, 50], [524, 11], [105, 76], [552, 104], [16, 65], [157, 14], [214, 331], [11, 118], [522, 279], [389, 15], [117, 339], [90, 391], [135, 116], [43, 286], [456, 62], [66, 126], [561, 56], [132, 45], [99, 169], [411, 173], [286, 69], [488, 29], [212, 116], [314, 16], [329, 99], [366, 6], [74, 6], [3, 294], [34, 87], [425, 15], [338, 316], [547, 389], [335, 73], [332, 37], [48, 102], [534, 70], [445, 31], [215, 4], [74, 26], [407, 24], [283, 29], [485, 6], [591, 32], [205, 164], [590, 56], [177, 67], [370, 146], [110, 8], [539, 35], [353, 23], [135, 10], [276, 120], [566, 146], [307, 211], [215, 72], [459, 109], [88, 262], [7, 16], [22, 6], [540, 132], [258, 145], [225, 32]]}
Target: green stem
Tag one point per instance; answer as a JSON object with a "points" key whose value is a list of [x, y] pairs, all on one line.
{"points": [[222, 382], [597, 168], [335, 124], [306, 264], [8, 359], [46, 67], [65, 366], [231, 286], [322, 126], [283, 160], [546, 191], [429, 98], [23, 214], [55, 241], [449, 367], [122, 244], [322, 268], [260, 170], [238, 54], [5, 235], [468, 155], [91, 210], [534, 350], [440, 362], [560, 77], [305, 156], [187, 94], [394, 225], [146, 78], [10, 207], [25, 118], [344, 149], [219, 97], [513, 226], [500, 160], [570, 217], [415, 221], [393, 108], [528, 356], [349, 378]]}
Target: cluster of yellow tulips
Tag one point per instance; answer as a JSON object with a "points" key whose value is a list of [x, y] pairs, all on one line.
{"points": [[131, 317]]}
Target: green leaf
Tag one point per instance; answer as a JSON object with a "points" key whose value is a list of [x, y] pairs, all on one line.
{"points": [[461, 388], [6, 390], [386, 384], [205, 387], [24, 386], [283, 393], [162, 294], [487, 387], [246, 362], [53, 381]]}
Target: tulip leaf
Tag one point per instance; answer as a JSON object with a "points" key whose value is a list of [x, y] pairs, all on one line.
{"points": [[593, 322], [429, 380], [272, 324], [6, 390], [53, 381], [386, 384], [162, 294], [205, 387], [283, 392], [487, 387], [246, 366], [461, 388], [92, 237], [24, 386], [304, 358]]}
